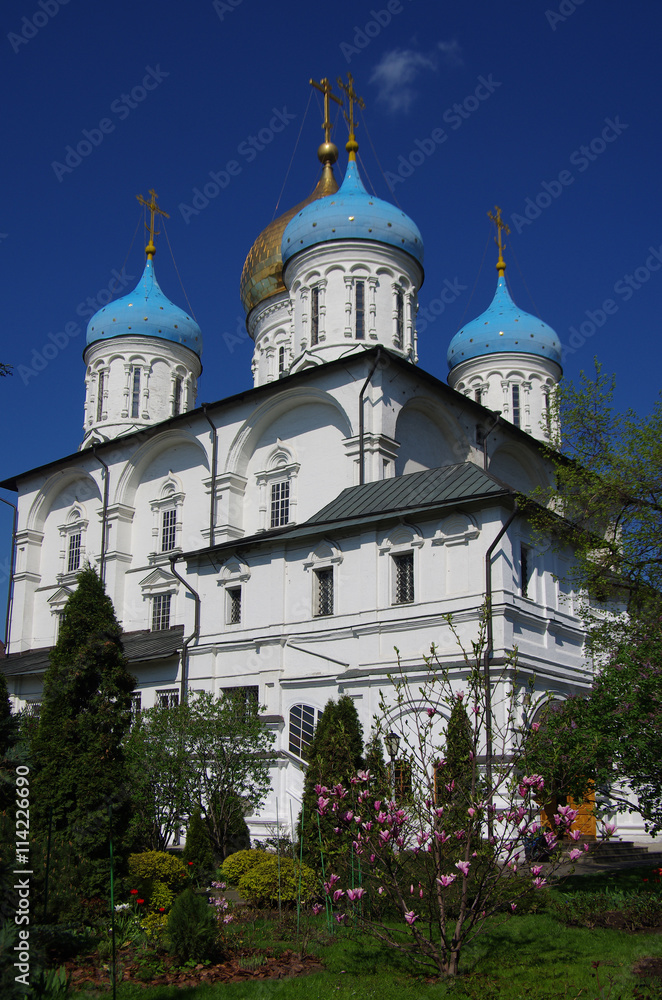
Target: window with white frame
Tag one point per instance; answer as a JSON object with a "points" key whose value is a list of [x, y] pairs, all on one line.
{"points": [[399, 318], [359, 310], [233, 605], [280, 504], [516, 405], [167, 698], [303, 719], [314, 315], [161, 612], [403, 577], [73, 555], [281, 361], [168, 529], [167, 519], [245, 698], [135, 391], [72, 551], [323, 593]]}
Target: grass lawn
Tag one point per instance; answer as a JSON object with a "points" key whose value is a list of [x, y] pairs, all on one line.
{"points": [[527, 956]]}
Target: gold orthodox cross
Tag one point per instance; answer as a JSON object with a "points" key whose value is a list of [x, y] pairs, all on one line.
{"points": [[352, 98], [154, 209], [501, 226], [324, 86]]}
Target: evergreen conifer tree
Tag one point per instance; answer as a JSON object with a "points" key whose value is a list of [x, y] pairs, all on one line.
{"points": [[380, 784], [77, 754]]}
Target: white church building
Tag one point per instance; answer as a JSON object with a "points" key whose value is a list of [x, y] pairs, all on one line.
{"points": [[286, 539]]}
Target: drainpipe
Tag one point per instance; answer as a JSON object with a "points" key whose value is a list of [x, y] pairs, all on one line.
{"points": [[104, 514], [12, 558], [361, 428], [489, 638], [194, 634], [214, 470]]}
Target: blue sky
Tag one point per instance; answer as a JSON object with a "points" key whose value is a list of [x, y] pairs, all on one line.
{"points": [[550, 109]]}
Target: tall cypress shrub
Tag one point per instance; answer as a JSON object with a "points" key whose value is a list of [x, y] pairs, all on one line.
{"points": [[77, 755]]}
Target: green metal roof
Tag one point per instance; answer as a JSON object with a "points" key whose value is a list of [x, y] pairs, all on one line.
{"points": [[416, 490]]}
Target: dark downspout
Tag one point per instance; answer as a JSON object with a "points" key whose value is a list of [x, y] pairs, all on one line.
{"points": [[489, 638], [497, 415], [10, 586], [104, 514], [194, 634], [361, 429], [214, 470]]}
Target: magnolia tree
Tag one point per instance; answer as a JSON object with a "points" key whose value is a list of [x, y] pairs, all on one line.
{"points": [[460, 840]]}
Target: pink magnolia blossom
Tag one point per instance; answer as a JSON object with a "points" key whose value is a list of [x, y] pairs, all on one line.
{"points": [[536, 869], [317, 908], [446, 880], [411, 917], [381, 890], [228, 918], [609, 829], [384, 835], [463, 866], [322, 804], [441, 837], [471, 811], [372, 858], [340, 918], [378, 805], [513, 906], [439, 812], [338, 894], [431, 711], [420, 893], [575, 834], [381, 817], [363, 775], [574, 854], [535, 726], [459, 695], [354, 894], [539, 882]]}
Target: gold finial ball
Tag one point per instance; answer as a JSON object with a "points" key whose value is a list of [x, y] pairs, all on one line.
{"points": [[352, 146], [150, 248], [327, 153]]}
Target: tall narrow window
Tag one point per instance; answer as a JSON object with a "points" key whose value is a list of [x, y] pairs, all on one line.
{"points": [[177, 396], [160, 612], [168, 529], [323, 597], [525, 570], [314, 316], [302, 729], [280, 504], [516, 406], [399, 319], [281, 360], [477, 395], [168, 698], [100, 390], [359, 326], [244, 699], [136, 705], [135, 393], [73, 557], [233, 614], [403, 590]]}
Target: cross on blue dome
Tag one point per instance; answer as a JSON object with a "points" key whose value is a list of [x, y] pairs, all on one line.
{"points": [[146, 312]]}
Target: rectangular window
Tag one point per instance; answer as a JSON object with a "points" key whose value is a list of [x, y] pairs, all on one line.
{"points": [[477, 395], [516, 406], [73, 558], [100, 391], [177, 396], [302, 729], [323, 592], [135, 393], [168, 698], [168, 529], [399, 319], [233, 616], [136, 705], [281, 360], [404, 578], [160, 612], [280, 504], [525, 570], [246, 699], [359, 326], [314, 316]]}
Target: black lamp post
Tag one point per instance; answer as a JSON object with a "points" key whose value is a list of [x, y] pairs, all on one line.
{"points": [[392, 743]]}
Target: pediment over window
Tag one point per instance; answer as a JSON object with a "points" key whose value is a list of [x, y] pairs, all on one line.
{"points": [[326, 553], [456, 529], [234, 571], [159, 580], [60, 598]]}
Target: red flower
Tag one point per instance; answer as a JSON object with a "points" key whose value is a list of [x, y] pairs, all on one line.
{"points": [[134, 892], [190, 862], [161, 909], [140, 902]]}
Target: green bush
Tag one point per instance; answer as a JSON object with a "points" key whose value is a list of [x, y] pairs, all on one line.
{"points": [[158, 877], [192, 929], [259, 885], [236, 865], [198, 850]]}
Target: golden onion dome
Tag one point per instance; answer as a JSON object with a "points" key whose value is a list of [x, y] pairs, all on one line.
{"points": [[262, 275]]}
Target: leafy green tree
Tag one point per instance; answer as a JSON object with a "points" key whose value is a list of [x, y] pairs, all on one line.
{"points": [[334, 757], [209, 754], [77, 753], [5, 369]]}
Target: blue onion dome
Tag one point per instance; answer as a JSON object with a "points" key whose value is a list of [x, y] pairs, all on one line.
{"points": [[262, 274], [352, 214], [504, 327], [145, 311]]}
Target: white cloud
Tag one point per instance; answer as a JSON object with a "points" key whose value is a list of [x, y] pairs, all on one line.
{"points": [[398, 70]]}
